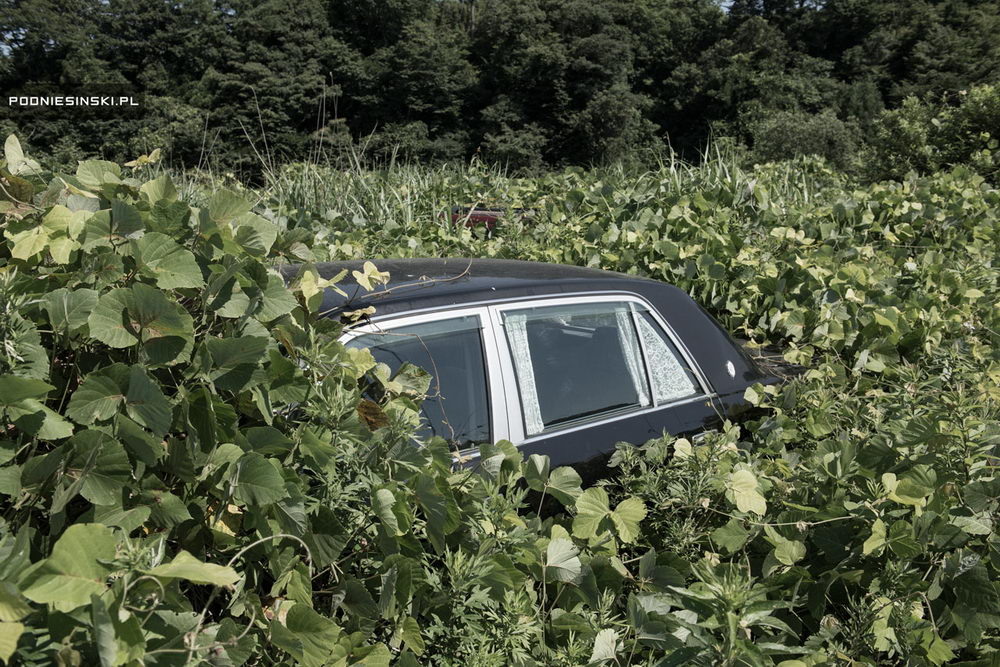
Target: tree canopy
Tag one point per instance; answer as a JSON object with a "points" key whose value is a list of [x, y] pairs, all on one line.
{"points": [[527, 83]]}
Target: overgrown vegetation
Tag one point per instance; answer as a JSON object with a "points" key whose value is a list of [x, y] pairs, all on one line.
{"points": [[190, 474]]}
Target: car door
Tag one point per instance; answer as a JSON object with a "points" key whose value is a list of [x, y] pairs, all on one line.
{"points": [[466, 399], [583, 373]]}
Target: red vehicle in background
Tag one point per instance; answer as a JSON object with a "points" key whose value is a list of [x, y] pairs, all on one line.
{"points": [[486, 217]]}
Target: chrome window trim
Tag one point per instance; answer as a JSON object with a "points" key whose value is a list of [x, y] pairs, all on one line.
{"points": [[489, 302], [515, 417], [495, 390]]}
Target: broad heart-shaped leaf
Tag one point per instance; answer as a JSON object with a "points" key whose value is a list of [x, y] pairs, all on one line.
{"points": [[275, 300], [14, 389], [170, 218], [28, 243], [13, 153], [95, 173], [257, 481], [161, 188], [125, 219], [564, 484], [163, 259], [743, 484], [902, 540], [730, 537], [626, 518], [591, 509], [102, 464], [98, 397], [107, 321], [234, 360], [69, 309], [225, 206], [187, 567], [306, 636], [167, 329], [124, 316], [255, 234], [76, 569], [790, 552], [562, 562], [146, 404]]}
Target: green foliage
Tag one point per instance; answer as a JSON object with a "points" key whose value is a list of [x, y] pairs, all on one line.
{"points": [[784, 135], [243, 87], [927, 136], [186, 476]]}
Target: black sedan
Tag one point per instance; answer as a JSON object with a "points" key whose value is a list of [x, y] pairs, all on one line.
{"points": [[560, 360]]}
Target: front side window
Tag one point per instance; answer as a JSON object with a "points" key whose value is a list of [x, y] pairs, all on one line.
{"points": [[451, 350], [575, 361]]}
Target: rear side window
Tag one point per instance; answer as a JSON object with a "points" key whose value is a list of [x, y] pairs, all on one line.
{"points": [[575, 362], [451, 350], [671, 377]]}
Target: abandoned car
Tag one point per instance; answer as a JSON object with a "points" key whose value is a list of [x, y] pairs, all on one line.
{"points": [[560, 360]]}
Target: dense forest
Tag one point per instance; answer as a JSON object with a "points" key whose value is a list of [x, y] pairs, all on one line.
{"points": [[525, 83]]}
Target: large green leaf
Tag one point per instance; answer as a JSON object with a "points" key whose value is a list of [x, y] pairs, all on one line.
{"points": [[164, 260], [306, 636], [410, 633], [234, 360], [626, 518], [225, 206], [77, 568], [383, 502], [562, 561], [257, 481], [95, 173], [591, 510], [275, 300], [159, 189], [124, 317], [97, 398], [743, 484], [69, 309], [108, 322], [103, 466], [731, 537]]}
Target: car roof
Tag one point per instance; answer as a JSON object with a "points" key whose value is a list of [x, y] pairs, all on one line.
{"points": [[438, 283], [422, 283]]}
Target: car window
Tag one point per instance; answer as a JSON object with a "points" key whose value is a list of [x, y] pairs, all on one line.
{"points": [[451, 350], [671, 377], [575, 361]]}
